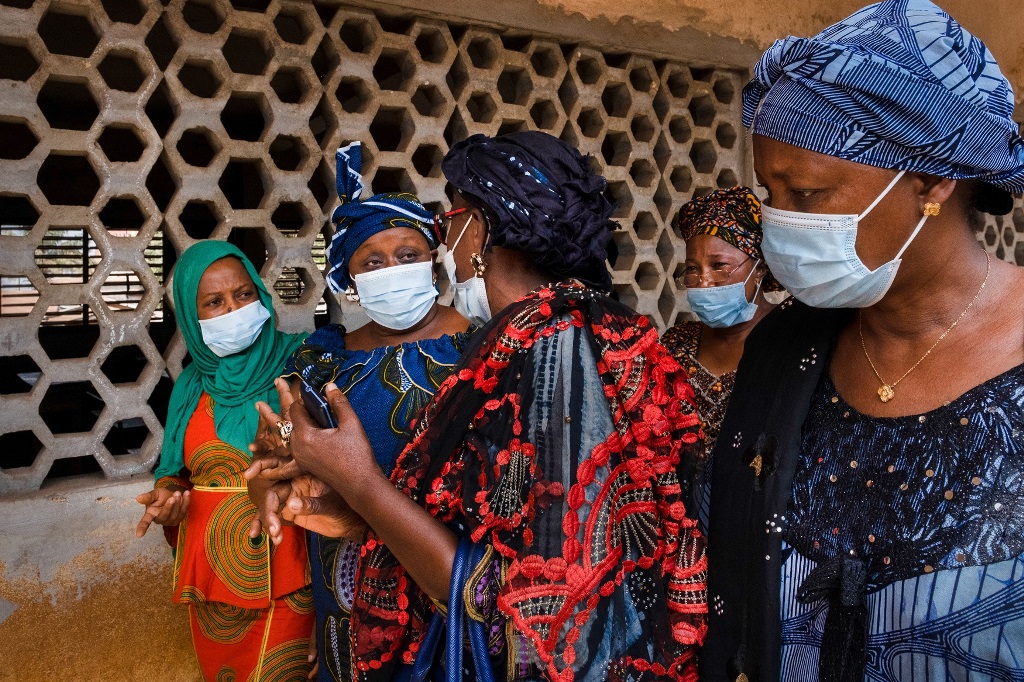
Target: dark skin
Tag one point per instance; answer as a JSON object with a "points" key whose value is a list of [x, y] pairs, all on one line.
{"points": [[720, 348], [286, 496], [343, 457], [941, 272], [224, 288]]}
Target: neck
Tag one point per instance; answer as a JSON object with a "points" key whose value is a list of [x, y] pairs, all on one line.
{"points": [[932, 288], [515, 278]]}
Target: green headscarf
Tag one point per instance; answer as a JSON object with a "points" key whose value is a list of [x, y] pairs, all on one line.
{"points": [[235, 382]]}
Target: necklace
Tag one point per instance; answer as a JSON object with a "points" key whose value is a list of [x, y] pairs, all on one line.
{"points": [[886, 391]]}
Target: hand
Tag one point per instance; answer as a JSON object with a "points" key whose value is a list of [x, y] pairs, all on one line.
{"points": [[269, 483], [315, 506], [166, 506], [342, 457], [311, 656], [268, 434]]}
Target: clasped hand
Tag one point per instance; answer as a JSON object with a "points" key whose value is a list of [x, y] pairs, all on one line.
{"points": [[287, 481]]}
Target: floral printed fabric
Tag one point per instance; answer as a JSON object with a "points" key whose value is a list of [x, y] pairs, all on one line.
{"points": [[557, 443]]}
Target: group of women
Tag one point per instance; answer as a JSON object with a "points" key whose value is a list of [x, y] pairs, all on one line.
{"points": [[848, 462]]}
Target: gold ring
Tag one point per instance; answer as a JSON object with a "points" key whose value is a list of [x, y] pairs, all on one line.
{"points": [[285, 429]]}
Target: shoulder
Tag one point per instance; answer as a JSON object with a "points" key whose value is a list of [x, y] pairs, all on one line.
{"points": [[792, 323], [323, 348]]}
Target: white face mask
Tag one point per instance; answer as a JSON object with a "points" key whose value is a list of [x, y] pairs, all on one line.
{"points": [[235, 331], [397, 297], [814, 256], [471, 295]]}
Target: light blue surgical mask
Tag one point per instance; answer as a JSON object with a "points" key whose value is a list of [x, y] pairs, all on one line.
{"points": [[814, 256], [469, 297], [397, 297], [724, 306], [235, 331]]}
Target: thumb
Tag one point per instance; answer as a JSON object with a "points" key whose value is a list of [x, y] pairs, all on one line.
{"points": [[146, 498], [305, 506], [339, 403]]}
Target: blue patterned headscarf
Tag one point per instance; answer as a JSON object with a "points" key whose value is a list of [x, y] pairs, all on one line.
{"points": [[899, 84], [545, 198], [356, 221]]}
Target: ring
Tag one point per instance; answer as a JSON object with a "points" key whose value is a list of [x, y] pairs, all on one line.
{"points": [[285, 429]]}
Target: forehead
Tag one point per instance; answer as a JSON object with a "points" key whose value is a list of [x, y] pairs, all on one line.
{"points": [[225, 272], [705, 245], [392, 238], [774, 159]]}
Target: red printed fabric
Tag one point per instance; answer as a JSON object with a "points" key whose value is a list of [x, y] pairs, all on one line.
{"points": [[557, 442]]}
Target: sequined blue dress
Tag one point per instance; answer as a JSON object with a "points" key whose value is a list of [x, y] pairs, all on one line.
{"points": [[932, 506], [387, 387]]}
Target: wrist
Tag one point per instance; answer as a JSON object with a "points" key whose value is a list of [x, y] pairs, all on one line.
{"points": [[358, 488]]}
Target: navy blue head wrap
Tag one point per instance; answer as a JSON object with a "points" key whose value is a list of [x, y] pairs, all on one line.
{"points": [[543, 199], [899, 84], [356, 221]]}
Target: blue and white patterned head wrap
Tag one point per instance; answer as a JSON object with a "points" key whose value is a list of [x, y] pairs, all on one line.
{"points": [[899, 84], [356, 221]]}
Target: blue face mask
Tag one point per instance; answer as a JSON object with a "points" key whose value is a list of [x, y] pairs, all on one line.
{"points": [[814, 256], [397, 297], [235, 331], [725, 306]]}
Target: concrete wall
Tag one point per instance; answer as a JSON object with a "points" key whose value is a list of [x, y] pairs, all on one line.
{"points": [[80, 597]]}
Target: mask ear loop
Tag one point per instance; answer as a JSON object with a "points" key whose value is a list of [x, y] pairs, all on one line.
{"points": [[463, 232], [759, 282], [882, 195]]}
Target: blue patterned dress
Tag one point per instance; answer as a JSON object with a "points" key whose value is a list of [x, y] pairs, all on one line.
{"points": [[387, 388], [933, 506]]}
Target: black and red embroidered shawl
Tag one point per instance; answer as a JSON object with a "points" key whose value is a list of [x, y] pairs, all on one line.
{"points": [[556, 441]]}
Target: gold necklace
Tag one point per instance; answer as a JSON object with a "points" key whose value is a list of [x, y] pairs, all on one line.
{"points": [[886, 391]]}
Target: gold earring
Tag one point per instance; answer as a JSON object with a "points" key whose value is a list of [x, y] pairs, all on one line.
{"points": [[932, 209], [477, 261]]}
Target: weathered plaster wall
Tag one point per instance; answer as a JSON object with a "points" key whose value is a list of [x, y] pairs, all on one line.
{"points": [[80, 597], [1000, 23]]}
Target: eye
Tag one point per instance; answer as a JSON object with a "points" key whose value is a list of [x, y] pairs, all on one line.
{"points": [[804, 193], [719, 265], [248, 293], [213, 303], [689, 268]]}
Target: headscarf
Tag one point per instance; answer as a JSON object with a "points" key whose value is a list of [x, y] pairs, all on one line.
{"points": [[356, 221], [734, 216], [900, 85], [545, 198], [235, 382]]}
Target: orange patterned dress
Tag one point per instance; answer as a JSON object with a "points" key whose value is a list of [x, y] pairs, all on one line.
{"points": [[250, 603]]}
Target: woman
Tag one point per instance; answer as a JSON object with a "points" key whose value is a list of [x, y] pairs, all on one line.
{"points": [[555, 444], [725, 279], [250, 607], [389, 368], [868, 506]]}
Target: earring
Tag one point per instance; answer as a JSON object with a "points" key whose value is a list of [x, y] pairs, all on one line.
{"points": [[477, 261], [932, 209], [351, 294]]}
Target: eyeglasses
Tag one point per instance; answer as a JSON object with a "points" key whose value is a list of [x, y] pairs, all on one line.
{"points": [[693, 277], [443, 222]]}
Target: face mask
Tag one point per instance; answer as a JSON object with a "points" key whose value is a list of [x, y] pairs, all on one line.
{"points": [[471, 295], [814, 256], [235, 331], [723, 306], [397, 297]]}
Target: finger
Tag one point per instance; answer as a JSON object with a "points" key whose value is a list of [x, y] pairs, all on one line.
{"points": [[260, 465], [284, 392], [255, 527], [267, 415], [305, 506], [147, 498], [339, 403], [147, 520], [286, 470]]}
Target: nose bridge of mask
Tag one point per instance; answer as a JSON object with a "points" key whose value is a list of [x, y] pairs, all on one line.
{"points": [[403, 276]]}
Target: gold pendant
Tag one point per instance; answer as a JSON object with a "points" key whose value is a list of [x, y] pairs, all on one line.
{"points": [[886, 393]]}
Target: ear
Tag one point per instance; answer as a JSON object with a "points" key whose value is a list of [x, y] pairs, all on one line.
{"points": [[478, 230], [934, 189]]}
